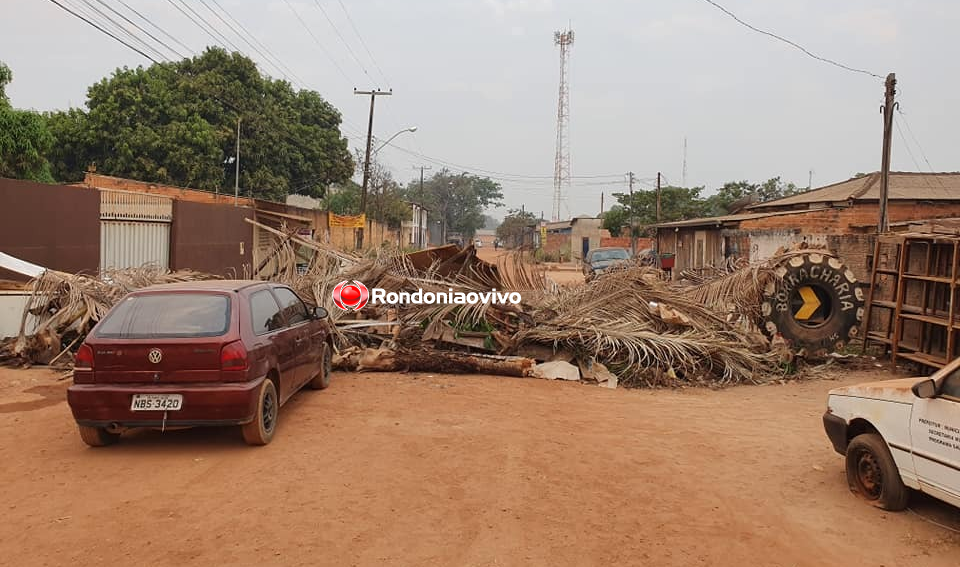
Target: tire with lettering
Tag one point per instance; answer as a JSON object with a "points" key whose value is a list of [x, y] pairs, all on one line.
{"points": [[815, 303]]}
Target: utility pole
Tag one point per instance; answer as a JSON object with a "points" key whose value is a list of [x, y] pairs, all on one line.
{"points": [[236, 181], [420, 216], [888, 107], [683, 175], [601, 203], [633, 240], [366, 159], [659, 266]]}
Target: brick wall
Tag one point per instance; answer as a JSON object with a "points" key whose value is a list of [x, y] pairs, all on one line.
{"points": [[624, 242], [97, 181], [860, 217]]}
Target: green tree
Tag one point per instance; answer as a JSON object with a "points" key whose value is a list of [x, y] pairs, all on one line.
{"points": [[616, 219], [676, 203], [774, 188], [25, 138], [176, 123], [343, 199], [515, 225], [458, 200]]}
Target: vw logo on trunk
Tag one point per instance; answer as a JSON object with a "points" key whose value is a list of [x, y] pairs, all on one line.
{"points": [[155, 355]]}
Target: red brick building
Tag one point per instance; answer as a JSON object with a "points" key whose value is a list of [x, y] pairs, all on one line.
{"points": [[843, 216]]}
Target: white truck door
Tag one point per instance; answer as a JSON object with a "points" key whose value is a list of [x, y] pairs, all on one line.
{"points": [[935, 436]]}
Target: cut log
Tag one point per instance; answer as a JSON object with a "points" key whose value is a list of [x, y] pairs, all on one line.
{"points": [[388, 360]]}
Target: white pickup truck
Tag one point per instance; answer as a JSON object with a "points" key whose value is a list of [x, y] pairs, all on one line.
{"points": [[898, 434]]}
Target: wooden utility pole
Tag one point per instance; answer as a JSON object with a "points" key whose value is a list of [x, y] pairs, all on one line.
{"points": [[633, 240], [366, 159], [601, 203], [888, 106], [657, 251]]}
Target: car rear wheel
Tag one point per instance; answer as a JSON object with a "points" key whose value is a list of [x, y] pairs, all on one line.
{"points": [[322, 380], [260, 431], [873, 474], [97, 436]]}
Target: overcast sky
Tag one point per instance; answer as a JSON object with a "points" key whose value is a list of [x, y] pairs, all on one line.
{"points": [[479, 80]]}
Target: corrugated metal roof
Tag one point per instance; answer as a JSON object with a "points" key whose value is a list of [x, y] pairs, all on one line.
{"points": [[715, 221], [903, 185]]}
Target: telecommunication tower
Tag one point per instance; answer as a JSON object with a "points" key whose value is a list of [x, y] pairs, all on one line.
{"points": [[561, 167]]}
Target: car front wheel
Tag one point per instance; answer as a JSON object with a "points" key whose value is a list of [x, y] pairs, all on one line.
{"points": [[260, 431], [873, 474]]}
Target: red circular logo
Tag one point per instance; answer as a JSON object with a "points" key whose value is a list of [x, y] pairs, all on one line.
{"points": [[350, 296]]}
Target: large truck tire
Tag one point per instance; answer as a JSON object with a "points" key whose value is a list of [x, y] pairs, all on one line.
{"points": [[815, 303]]}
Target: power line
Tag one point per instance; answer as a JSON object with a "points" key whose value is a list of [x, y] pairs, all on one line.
{"points": [[791, 43], [155, 26], [336, 30], [134, 24], [122, 29], [241, 36], [917, 142], [317, 41], [363, 43], [101, 30], [517, 176], [259, 43], [208, 30], [907, 146], [226, 41]]}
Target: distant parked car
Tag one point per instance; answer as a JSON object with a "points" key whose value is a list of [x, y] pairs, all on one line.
{"points": [[600, 260], [478, 243], [196, 354]]}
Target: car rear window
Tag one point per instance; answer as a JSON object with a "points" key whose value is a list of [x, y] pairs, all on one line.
{"points": [[604, 255], [168, 315]]}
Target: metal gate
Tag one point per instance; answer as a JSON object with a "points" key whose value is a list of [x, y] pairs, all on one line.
{"points": [[134, 230]]}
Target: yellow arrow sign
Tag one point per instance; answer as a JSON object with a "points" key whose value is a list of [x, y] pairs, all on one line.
{"points": [[810, 303]]}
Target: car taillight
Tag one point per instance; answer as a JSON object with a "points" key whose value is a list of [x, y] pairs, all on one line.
{"points": [[233, 356], [84, 358]]}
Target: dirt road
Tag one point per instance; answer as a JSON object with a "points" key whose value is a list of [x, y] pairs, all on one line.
{"points": [[456, 471]]}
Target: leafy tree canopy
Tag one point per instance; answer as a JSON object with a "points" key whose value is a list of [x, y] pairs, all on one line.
{"points": [[458, 200], [515, 224], [176, 123], [24, 138]]}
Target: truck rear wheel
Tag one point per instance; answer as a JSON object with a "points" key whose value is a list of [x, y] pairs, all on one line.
{"points": [[872, 473], [816, 303]]}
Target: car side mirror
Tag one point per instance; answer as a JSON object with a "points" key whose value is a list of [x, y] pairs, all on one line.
{"points": [[320, 312], [925, 389]]}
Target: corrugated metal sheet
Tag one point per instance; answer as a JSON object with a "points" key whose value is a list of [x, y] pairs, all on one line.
{"points": [[126, 205], [126, 244]]}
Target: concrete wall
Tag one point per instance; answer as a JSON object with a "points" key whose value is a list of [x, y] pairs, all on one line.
{"points": [[55, 226]]}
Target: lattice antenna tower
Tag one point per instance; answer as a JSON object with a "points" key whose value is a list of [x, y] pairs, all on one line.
{"points": [[561, 167]]}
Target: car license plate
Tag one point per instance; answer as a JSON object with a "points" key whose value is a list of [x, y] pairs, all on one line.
{"points": [[156, 402]]}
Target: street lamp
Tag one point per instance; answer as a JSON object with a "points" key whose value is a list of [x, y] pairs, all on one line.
{"points": [[390, 139]]}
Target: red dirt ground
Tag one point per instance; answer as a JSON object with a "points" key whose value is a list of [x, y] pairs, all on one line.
{"points": [[385, 469]]}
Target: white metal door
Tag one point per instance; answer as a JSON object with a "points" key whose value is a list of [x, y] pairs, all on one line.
{"points": [[134, 230], [128, 244]]}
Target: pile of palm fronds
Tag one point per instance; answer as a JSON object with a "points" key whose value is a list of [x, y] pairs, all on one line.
{"points": [[64, 307], [648, 331]]}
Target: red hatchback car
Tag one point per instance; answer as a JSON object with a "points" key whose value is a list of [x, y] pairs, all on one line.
{"points": [[199, 353]]}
